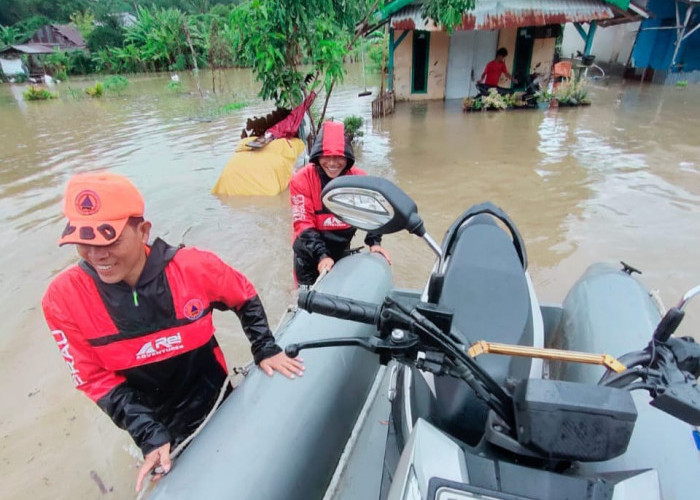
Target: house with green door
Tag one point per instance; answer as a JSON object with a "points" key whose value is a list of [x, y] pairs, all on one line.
{"points": [[425, 62]]}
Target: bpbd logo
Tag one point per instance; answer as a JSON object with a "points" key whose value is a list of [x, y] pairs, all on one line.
{"points": [[194, 308], [87, 202]]}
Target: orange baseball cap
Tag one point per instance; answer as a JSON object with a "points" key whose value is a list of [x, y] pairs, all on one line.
{"points": [[98, 206]]}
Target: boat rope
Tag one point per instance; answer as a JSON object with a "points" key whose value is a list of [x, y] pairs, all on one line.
{"points": [[656, 299]]}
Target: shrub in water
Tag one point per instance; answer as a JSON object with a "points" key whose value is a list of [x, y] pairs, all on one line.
{"points": [[95, 91], [116, 83], [38, 94]]}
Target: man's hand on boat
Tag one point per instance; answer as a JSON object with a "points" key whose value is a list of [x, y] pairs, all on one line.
{"points": [[158, 459], [280, 362], [381, 251], [325, 265]]}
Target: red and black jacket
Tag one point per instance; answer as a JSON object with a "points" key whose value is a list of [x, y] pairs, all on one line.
{"points": [[317, 232], [147, 355]]}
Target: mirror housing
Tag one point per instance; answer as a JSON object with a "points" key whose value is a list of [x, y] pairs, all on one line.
{"points": [[372, 204]]}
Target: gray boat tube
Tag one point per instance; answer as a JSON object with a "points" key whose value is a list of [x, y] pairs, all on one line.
{"points": [[607, 311], [276, 438]]}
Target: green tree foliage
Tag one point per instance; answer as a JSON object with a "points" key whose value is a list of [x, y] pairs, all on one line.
{"points": [[14, 11], [84, 21], [108, 34], [9, 35], [284, 35], [446, 13], [57, 64]]}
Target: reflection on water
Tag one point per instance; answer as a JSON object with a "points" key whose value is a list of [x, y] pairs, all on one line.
{"points": [[616, 180]]}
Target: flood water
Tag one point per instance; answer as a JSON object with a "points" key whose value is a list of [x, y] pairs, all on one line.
{"points": [[618, 180]]}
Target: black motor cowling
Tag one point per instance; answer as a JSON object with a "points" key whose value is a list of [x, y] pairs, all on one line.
{"points": [[573, 421]]}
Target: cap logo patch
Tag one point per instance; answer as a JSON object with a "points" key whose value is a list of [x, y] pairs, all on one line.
{"points": [[194, 309], [87, 202]]}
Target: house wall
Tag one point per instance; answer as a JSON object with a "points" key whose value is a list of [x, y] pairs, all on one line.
{"points": [[506, 39], [11, 66], [543, 54], [437, 67], [610, 45], [402, 66]]}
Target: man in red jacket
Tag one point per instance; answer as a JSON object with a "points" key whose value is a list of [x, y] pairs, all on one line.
{"points": [[134, 322], [320, 239]]}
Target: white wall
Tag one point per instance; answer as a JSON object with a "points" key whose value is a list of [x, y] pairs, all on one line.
{"points": [[610, 45], [11, 66]]}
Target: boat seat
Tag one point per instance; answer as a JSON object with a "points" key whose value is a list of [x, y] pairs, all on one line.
{"points": [[485, 286]]}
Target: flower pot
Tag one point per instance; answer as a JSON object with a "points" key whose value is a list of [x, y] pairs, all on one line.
{"points": [[543, 105]]}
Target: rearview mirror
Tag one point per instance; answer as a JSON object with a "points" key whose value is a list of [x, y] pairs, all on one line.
{"points": [[373, 204]]}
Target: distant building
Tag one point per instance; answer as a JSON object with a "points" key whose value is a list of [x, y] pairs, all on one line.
{"points": [[663, 46], [64, 37], [425, 62], [46, 40], [667, 48]]}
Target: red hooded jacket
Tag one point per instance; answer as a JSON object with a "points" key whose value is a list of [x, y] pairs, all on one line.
{"points": [[316, 230]]}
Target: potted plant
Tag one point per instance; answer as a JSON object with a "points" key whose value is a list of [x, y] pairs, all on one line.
{"points": [[544, 98]]}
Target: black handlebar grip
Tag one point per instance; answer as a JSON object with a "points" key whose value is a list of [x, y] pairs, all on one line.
{"points": [[668, 324], [292, 350], [339, 307]]}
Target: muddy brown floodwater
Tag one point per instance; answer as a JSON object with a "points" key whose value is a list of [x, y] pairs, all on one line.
{"points": [[618, 180]]}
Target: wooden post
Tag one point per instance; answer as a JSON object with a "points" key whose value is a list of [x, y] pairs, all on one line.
{"points": [[194, 56]]}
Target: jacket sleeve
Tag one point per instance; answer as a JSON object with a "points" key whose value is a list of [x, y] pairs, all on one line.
{"points": [[307, 239], [105, 387], [311, 243], [124, 406], [234, 291], [254, 322]]}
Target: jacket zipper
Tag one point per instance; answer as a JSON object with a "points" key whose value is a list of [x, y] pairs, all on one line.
{"points": [[136, 297]]}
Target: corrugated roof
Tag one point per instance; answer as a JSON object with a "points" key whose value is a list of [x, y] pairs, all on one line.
{"points": [[30, 48], [495, 14], [71, 33]]}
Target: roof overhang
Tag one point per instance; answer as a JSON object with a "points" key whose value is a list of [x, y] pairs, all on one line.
{"points": [[633, 13], [496, 14], [37, 48]]}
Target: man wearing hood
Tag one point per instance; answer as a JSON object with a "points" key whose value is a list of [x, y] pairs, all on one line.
{"points": [[320, 239], [134, 321]]}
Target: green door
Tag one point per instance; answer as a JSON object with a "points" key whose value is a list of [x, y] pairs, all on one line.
{"points": [[419, 68]]}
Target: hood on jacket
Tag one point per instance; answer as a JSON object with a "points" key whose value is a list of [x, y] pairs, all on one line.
{"points": [[332, 141]]}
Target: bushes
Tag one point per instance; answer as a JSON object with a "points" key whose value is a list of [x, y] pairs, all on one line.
{"points": [[116, 83], [352, 127], [38, 94], [96, 91]]}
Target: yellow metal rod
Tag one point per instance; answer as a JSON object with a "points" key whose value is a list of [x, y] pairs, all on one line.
{"points": [[483, 347]]}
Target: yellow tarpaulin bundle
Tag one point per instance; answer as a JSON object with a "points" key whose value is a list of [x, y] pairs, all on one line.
{"points": [[265, 171]]}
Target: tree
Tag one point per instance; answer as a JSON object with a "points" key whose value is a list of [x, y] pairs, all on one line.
{"points": [[285, 35], [84, 21], [446, 13]]}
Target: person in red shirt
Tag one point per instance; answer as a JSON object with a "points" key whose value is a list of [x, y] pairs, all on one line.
{"points": [[494, 69], [133, 321]]}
